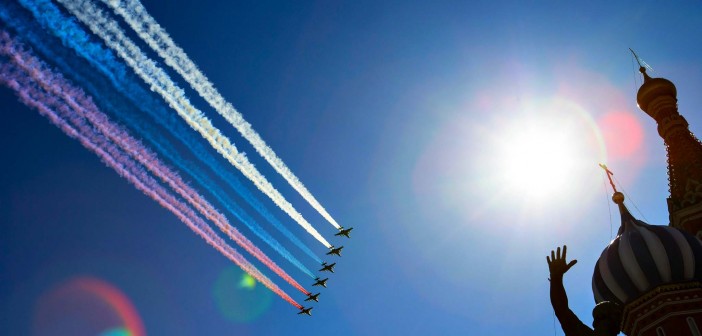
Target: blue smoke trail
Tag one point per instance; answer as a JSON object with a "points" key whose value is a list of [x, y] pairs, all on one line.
{"points": [[71, 35], [44, 46], [61, 60]]}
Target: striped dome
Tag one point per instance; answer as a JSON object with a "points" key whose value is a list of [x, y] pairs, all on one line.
{"points": [[643, 257]]}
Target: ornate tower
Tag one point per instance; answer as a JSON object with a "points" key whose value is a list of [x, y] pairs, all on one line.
{"points": [[655, 272], [658, 98]]}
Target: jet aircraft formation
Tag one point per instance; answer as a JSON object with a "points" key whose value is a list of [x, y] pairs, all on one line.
{"points": [[325, 268]]}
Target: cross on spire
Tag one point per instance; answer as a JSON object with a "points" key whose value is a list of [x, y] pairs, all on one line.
{"points": [[609, 176]]}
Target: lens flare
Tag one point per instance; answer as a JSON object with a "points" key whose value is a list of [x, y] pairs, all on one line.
{"points": [[247, 282], [238, 298], [86, 306], [624, 136], [117, 332]]}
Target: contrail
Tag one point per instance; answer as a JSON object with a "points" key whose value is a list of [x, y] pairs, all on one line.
{"points": [[84, 108], [56, 111], [158, 39], [141, 98], [159, 81], [94, 84]]}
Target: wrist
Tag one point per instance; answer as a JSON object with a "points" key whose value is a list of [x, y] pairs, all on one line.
{"points": [[556, 276]]}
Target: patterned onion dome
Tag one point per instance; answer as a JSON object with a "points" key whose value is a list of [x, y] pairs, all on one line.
{"points": [[643, 257]]}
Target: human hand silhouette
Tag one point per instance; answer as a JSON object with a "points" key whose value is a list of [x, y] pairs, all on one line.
{"points": [[557, 265]]}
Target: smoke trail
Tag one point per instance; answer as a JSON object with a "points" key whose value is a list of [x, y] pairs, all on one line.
{"points": [[84, 108], [159, 142], [159, 81], [56, 111], [19, 21], [158, 39]]}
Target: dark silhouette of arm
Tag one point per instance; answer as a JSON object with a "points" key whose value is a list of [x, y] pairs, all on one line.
{"points": [[571, 324]]}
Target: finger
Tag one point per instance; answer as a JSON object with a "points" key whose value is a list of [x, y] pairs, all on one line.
{"points": [[553, 255], [564, 251], [548, 261], [558, 252], [570, 264]]}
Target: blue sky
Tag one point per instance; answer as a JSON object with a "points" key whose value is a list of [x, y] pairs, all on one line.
{"points": [[396, 116]]}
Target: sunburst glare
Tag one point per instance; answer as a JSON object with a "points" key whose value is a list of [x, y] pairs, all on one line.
{"points": [[536, 159], [543, 154]]}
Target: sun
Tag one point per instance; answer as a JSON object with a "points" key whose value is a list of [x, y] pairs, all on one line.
{"points": [[535, 160], [543, 155]]}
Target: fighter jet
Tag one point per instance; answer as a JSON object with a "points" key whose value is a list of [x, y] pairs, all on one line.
{"points": [[312, 297], [320, 282], [335, 250], [327, 267], [344, 232], [304, 310]]}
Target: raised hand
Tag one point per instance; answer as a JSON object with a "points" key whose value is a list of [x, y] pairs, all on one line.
{"points": [[557, 265]]}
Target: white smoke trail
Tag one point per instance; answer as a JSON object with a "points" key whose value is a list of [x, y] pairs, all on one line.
{"points": [[158, 39], [158, 80]]}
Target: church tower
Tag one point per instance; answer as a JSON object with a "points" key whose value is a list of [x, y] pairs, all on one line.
{"points": [[658, 98], [655, 272]]}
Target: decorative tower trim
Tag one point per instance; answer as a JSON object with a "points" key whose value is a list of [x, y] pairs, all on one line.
{"points": [[658, 98], [668, 307]]}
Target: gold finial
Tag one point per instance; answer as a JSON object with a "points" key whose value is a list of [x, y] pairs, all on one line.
{"points": [[618, 198]]}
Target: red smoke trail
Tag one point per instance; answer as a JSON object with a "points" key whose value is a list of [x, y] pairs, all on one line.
{"points": [[85, 108], [55, 110]]}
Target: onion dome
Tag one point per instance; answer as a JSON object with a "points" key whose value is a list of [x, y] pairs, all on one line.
{"points": [[643, 257], [653, 88]]}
